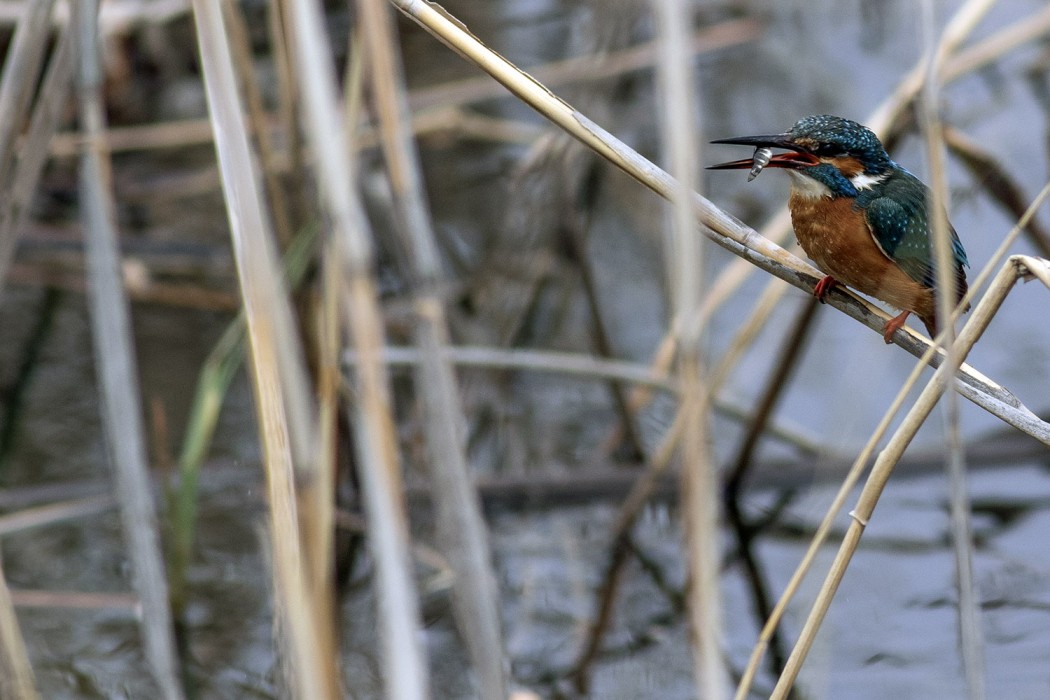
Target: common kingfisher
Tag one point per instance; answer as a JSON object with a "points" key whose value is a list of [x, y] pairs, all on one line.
{"points": [[857, 214]]}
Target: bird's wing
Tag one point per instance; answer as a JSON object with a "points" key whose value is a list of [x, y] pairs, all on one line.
{"points": [[896, 216]]}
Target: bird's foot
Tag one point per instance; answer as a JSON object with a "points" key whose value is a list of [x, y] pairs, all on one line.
{"points": [[894, 325], [825, 285]]}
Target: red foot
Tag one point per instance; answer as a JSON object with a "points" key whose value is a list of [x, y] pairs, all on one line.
{"points": [[894, 325], [825, 285]]}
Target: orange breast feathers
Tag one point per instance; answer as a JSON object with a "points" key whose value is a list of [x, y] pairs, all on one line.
{"points": [[837, 238]]}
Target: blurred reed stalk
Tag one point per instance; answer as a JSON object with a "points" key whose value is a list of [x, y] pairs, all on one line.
{"points": [[1016, 268], [241, 47], [404, 664], [684, 253], [716, 225], [971, 641], [20, 165], [116, 366], [461, 527], [16, 673], [286, 413]]}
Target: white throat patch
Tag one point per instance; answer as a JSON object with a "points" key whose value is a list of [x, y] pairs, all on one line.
{"points": [[806, 187], [863, 182]]}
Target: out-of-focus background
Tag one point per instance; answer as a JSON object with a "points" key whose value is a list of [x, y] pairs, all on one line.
{"points": [[544, 248]]}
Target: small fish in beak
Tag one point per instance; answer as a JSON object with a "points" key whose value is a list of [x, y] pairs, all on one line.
{"points": [[763, 154]]}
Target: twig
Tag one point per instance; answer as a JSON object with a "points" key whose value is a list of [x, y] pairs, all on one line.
{"points": [[575, 236], [117, 373], [777, 383]]}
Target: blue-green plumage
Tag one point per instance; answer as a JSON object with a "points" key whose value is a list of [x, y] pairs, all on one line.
{"points": [[859, 215], [896, 210]]}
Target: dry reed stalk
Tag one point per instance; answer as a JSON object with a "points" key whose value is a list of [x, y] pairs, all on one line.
{"points": [[973, 58], [16, 673], [860, 463], [405, 670], [699, 499], [461, 527], [437, 106], [19, 172], [127, 603], [116, 367], [51, 513], [286, 416], [320, 524], [607, 64], [21, 68], [315, 480], [719, 227], [1016, 268], [240, 44], [583, 366], [997, 180], [970, 638]]}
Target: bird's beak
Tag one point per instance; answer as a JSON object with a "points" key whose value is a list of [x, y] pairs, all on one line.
{"points": [[797, 156]]}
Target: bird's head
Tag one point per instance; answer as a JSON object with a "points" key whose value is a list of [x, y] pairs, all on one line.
{"points": [[841, 154]]}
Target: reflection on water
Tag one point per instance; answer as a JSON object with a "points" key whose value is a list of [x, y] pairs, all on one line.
{"points": [[892, 630]]}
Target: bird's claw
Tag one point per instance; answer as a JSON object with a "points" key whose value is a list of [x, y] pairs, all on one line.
{"points": [[825, 285], [894, 325]]}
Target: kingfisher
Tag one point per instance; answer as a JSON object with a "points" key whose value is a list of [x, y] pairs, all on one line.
{"points": [[858, 215]]}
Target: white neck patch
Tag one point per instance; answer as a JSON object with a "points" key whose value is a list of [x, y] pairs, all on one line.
{"points": [[863, 182], [806, 187]]}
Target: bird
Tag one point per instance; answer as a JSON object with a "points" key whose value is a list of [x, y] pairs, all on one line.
{"points": [[858, 215]]}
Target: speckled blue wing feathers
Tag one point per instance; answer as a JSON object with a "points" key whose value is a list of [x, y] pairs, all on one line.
{"points": [[896, 213]]}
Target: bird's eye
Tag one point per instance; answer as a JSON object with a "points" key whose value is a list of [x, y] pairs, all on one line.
{"points": [[828, 150]]}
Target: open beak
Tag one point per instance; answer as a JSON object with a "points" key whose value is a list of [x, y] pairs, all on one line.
{"points": [[796, 157]]}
